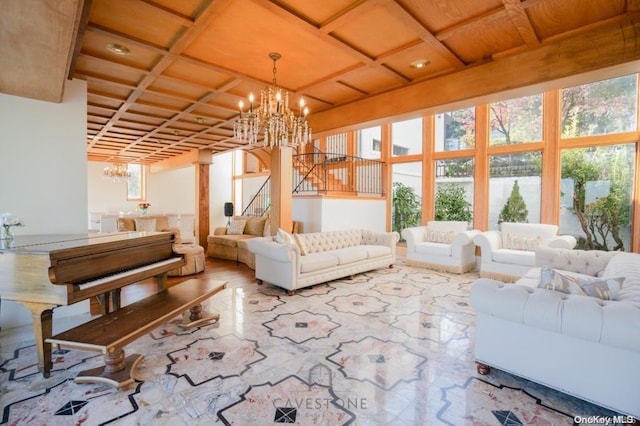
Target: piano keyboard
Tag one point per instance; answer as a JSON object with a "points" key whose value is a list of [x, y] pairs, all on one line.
{"points": [[110, 278]]}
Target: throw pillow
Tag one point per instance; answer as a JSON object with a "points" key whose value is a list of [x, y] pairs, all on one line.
{"points": [[550, 279], [301, 244], [435, 236], [255, 226], [145, 225], [236, 227], [602, 288], [522, 242], [283, 237]]}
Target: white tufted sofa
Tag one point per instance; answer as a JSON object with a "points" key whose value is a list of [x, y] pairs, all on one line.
{"points": [[327, 256], [508, 254], [580, 345], [445, 246]]}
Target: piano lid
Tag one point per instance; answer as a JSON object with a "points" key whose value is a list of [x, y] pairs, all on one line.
{"points": [[52, 243]]}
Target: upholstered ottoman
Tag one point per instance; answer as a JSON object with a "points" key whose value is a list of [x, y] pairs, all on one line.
{"points": [[194, 258]]}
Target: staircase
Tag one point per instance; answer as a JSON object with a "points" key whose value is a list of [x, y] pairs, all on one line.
{"points": [[327, 174]]}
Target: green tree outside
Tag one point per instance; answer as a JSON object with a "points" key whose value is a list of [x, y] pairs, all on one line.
{"points": [[451, 204], [515, 209]]}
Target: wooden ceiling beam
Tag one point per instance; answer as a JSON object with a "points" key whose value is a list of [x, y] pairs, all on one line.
{"points": [[309, 28], [200, 24], [344, 16], [521, 21], [402, 14], [605, 52], [176, 16], [450, 31]]}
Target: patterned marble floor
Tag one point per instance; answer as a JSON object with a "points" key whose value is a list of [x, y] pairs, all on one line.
{"points": [[389, 347]]}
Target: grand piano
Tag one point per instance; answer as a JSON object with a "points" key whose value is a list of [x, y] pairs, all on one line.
{"points": [[43, 272]]}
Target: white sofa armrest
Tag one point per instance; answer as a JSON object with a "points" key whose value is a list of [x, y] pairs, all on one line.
{"points": [[414, 236], [461, 240], [563, 241], [266, 247], [489, 241]]}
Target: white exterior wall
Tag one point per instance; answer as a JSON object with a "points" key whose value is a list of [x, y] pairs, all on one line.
{"points": [[43, 178]]}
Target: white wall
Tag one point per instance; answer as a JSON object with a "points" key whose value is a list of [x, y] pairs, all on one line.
{"points": [[220, 188], [323, 214], [43, 173], [170, 191], [250, 187]]}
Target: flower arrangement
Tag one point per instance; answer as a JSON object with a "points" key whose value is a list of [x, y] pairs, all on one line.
{"points": [[144, 206], [8, 221]]}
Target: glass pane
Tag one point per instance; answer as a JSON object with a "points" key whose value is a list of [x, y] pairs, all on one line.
{"points": [[406, 209], [516, 121], [600, 108], [454, 189], [406, 137], [370, 142], [456, 130], [596, 192], [514, 188], [135, 184]]}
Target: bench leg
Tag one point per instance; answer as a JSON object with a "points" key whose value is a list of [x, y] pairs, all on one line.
{"points": [[483, 369], [116, 372], [196, 318]]}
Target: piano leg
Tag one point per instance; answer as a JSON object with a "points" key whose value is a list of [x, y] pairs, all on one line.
{"points": [[42, 318]]}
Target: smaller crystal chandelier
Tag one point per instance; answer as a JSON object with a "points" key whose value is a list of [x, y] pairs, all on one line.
{"points": [[117, 172], [273, 118]]}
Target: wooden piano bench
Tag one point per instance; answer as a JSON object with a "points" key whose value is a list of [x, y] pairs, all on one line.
{"points": [[194, 259], [111, 332]]}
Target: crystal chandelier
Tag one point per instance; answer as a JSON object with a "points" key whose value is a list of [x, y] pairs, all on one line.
{"points": [[116, 172], [273, 118]]}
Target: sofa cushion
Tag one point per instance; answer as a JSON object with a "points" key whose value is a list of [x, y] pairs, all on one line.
{"points": [[602, 288], [317, 261], [436, 249], [301, 245], [443, 231], [236, 227], [550, 279], [349, 254], [145, 224], [283, 237], [126, 224], [227, 240], [516, 257], [162, 222], [255, 226], [626, 265], [376, 251], [526, 236]]}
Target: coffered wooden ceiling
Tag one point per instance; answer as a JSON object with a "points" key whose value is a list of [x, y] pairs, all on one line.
{"points": [[192, 61]]}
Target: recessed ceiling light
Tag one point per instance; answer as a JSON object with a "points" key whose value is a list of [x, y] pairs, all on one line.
{"points": [[419, 63], [201, 120], [118, 49], [175, 132]]}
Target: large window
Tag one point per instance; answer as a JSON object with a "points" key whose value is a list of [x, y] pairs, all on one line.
{"points": [[516, 121], [455, 130], [600, 108], [136, 185], [370, 143], [406, 137], [407, 195], [597, 184], [454, 189], [514, 188]]}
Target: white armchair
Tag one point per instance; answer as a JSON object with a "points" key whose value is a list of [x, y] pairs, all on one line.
{"points": [[444, 246], [508, 254]]}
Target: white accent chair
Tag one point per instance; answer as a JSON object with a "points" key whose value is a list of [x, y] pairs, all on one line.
{"points": [[508, 254], [445, 246]]}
